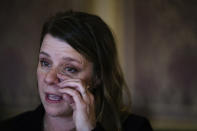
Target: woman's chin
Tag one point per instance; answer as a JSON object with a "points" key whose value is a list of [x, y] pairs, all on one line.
{"points": [[58, 111]]}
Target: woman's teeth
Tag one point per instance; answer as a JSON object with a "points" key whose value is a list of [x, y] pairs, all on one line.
{"points": [[54, 97]]}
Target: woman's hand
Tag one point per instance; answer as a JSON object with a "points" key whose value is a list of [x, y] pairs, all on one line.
{"points": [[83, 106]]}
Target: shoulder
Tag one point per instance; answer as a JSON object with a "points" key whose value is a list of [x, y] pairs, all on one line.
{"points": [[136, 123], [15, 123], [24, 121]]}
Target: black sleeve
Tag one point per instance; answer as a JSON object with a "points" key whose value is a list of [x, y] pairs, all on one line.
{"points": [[137, 123], [98, 127], [146, 126]]}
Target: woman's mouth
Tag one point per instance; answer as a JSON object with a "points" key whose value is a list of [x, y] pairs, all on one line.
{"points": [[53, 98]]}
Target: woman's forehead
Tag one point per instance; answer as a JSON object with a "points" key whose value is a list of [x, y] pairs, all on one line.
{"points": [[57, 48]]}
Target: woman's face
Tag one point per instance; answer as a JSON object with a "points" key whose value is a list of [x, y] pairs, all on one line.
{"points": [[58, 62]]}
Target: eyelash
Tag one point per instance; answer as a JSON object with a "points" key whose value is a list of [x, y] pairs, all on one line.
{"points": [[44, 63], [70, 70]]}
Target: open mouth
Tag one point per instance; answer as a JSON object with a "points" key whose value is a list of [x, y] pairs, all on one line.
{"points": [[53, 98]]}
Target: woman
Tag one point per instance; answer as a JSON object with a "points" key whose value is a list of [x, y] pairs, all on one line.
{"points": [[79, 79]]}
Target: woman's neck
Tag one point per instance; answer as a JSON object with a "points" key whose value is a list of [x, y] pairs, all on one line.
{"points": [[52, 123]]}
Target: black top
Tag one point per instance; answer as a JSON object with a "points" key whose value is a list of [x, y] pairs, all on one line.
{"points": [[32, 121]]}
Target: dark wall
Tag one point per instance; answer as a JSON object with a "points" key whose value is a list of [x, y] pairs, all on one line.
{"points": [[165, 61]]}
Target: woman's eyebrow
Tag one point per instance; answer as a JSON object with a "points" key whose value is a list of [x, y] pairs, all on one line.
{"points": [[71, 59], [44, 53]]}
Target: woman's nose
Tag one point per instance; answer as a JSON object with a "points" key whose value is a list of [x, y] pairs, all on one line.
{"points": [[51, 77]]}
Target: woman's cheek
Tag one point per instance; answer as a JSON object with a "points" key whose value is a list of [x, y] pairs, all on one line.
{"points": [[41, 75], [41, 72]]}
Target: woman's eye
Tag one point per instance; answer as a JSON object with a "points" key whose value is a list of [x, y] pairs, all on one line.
{"points": [[44, 63], [71, 70]]}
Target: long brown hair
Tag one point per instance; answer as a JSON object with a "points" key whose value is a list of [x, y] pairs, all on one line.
{"points": [[91, 37]]}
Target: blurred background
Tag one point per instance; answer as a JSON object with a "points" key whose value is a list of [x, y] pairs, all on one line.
{"points": [[157, 46]]}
